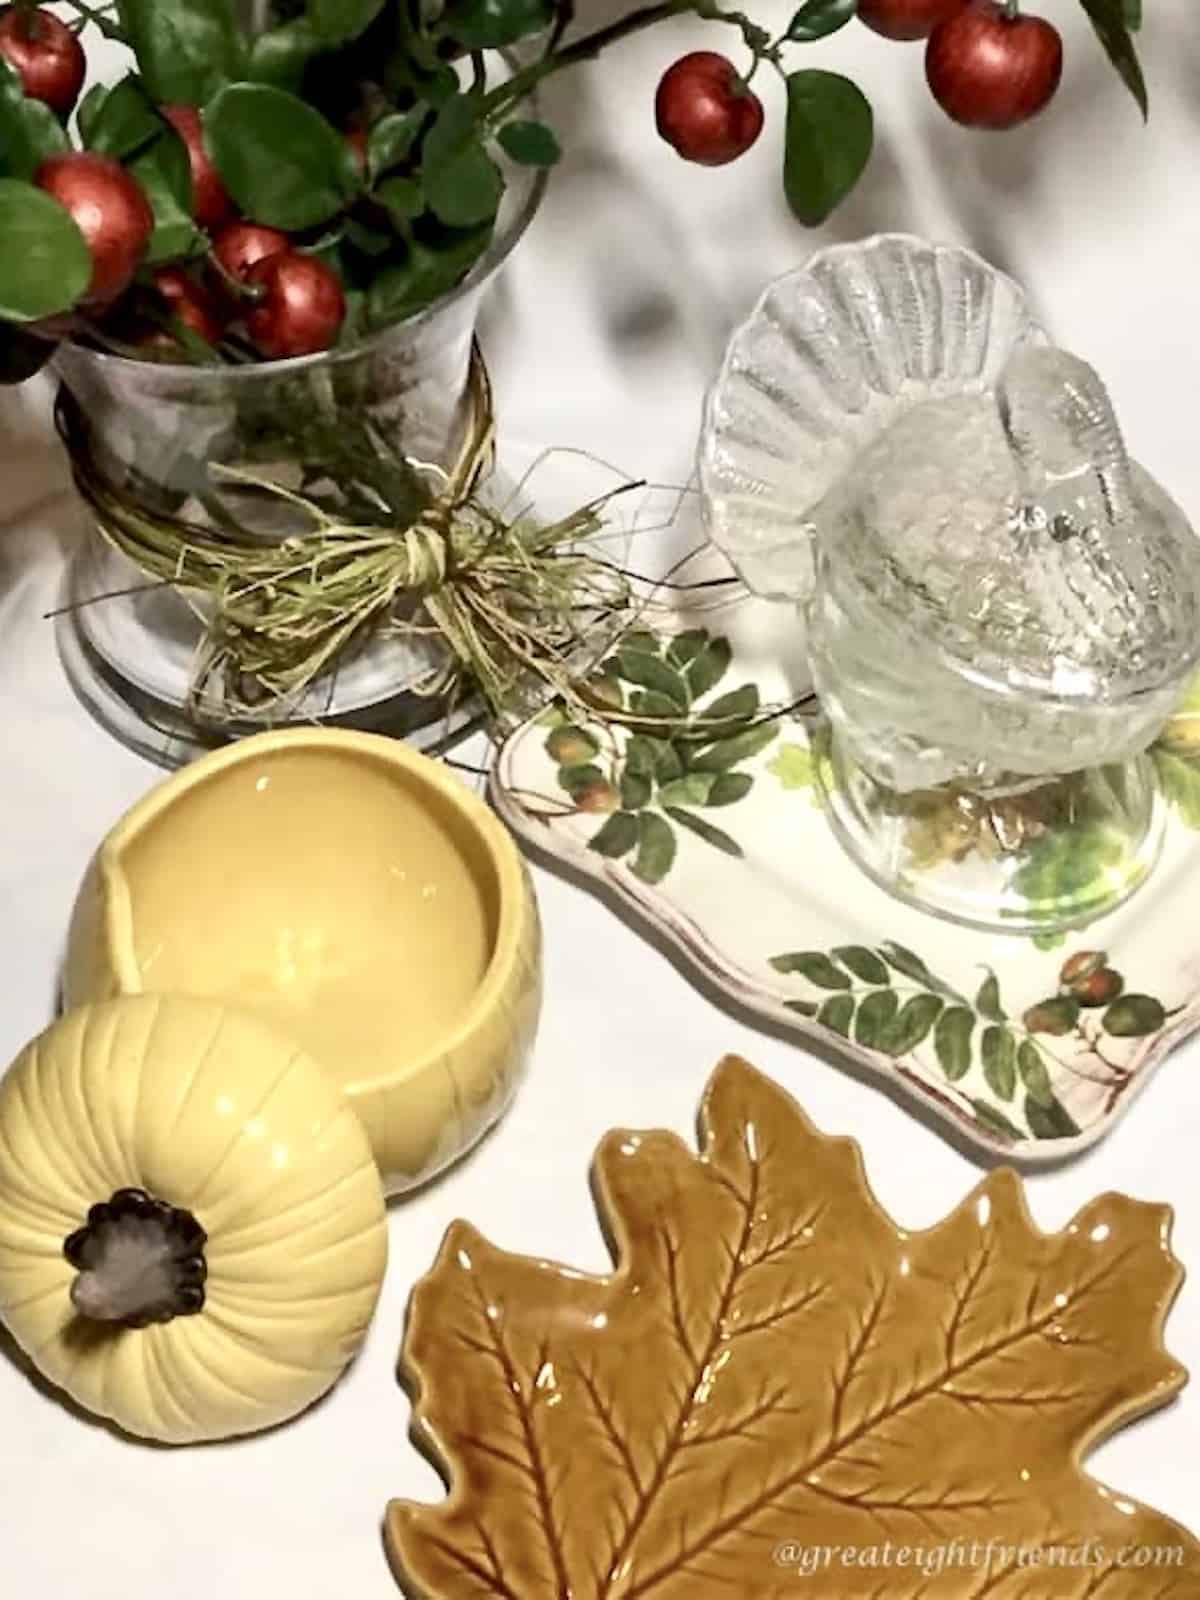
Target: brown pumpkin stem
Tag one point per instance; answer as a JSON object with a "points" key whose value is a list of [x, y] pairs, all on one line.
{"points": [[139, 1261]]}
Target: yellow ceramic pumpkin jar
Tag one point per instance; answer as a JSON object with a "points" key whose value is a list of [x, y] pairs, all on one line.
{"points": [[358, 898], [192, 1229]]}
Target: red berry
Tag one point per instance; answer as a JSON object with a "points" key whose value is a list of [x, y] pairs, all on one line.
{"points": [[243, 245], [705, 111], [211, 205], [990, 70], [301, 307], [357, 139], [906, 19], [1099, 988], [189, 301], [111, 211], [1082, 965], [45, 54]]}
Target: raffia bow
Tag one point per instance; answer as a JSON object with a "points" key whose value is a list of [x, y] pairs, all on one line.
{"points": [[511, 602]]}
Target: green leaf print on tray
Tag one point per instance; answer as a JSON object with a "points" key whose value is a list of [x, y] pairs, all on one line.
{"points": [[887, 1000], [670, 753], [1031, 1048]]}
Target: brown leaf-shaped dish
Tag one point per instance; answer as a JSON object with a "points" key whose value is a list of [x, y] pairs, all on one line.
{"points": [[779, 1391]]}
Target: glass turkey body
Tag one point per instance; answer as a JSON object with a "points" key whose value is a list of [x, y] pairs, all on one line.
{"points": [[1002, 608], [992, 641]]}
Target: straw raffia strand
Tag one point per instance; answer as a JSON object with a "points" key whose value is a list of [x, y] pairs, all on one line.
{"points": [[513, 602]]}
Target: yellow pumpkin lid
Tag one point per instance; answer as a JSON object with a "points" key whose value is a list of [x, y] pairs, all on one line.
{"points": [[192, 1228]]}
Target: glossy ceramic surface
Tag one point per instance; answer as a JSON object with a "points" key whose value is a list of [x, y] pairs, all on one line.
{"points": [[211, 1112], [779, 1390], [718, 840], [356, 896]]}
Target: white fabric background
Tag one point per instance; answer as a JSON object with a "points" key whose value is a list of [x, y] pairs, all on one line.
{"points": [[602, 335]]}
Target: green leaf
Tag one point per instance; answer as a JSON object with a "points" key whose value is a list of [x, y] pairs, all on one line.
{"points": [[488, 24], [649, 672], [837, 1014], [656, 707], [617, 837], [186, 49], [1134, 1016], [642, 754], [1133, 14], [165, 173], [427, 272], [570, 745], [685, 647], [805, 1008], [371, 242], [728, 753], [454, 129], [402, 197], [952, 1041], [532, 144], [817, 18], [1108, 21], [912, 966], [45, 264], [656, 758], [912, 1025], [580, 777], [280, 56], [124, 122], [641, 640], [392, 138], [465, 191], [987, 1001], [716, 837], [998, 1049], [1034, 1075], [656, 848], [876, 1014], [995, 1121], [89, 109], [1180, 779], [670, 762], [730, 788], [29, 133], [863, 963], [1057, 1015], [739, 705], [1049, 1122], [635, 790], [338, 20], [22, 354], [282, 162], [830, 131], [708, 666], [794, 767], [692, 790], [814, 966]]}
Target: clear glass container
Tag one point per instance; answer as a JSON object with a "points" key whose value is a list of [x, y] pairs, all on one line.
{"points": [[161, 433], [1002, 608]]}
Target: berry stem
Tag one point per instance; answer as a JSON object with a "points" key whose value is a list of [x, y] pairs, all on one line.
{"points": [[593, 44], [98, 16]]}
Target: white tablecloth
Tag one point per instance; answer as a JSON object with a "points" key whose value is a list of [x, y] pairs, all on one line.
{"points": [[602, 335]]}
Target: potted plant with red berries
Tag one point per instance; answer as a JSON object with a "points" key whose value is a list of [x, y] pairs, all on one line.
{"points": [[256, 259]]}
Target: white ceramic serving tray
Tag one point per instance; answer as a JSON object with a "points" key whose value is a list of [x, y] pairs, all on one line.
{"points": [[730, 856]]}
